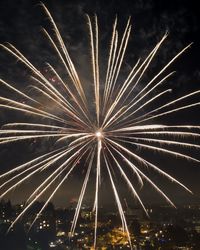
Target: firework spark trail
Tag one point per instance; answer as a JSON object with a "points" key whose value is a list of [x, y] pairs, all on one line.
{"points": [[65, 165], [181, 134], [48, 160], [19, 138], [174, 153], [97, 70], [105, 137], [59, 170], [161, 142], [27, 164], [31, 203], [15, 131], [130, 79], [81, 196], [95, 208], [39, 169], [7, 127], [76, 140], [35, 132], [133, 167], [57, 187], [119, 59], [64, 84], [147, 178], [120, 208], [140, 159], [153, 166], [28, 169], [131, 104], [14, 104], [85, 113], [162, 70], [17, 91], [150, 164], [167, 105], [128, 181], [143, 105], [71, 70], [145, 67], [26, 111], [95, 63], [154, 127], [166, 113], [108, 66], [114, 118], [61, 101], [48, 86], [111, 68], [96, 201], [133, 135], [58, 103]]}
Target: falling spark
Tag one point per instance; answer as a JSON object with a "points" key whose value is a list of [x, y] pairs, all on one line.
{"points": [[106, 134]]}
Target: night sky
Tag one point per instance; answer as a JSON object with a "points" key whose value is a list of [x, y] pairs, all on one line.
{"points": [[20, 24]]}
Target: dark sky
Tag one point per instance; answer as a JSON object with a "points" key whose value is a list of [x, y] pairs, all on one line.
{"points": [[21, 22]]}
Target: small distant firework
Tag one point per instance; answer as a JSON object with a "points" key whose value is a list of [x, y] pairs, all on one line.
{"points": [[103, 136]]}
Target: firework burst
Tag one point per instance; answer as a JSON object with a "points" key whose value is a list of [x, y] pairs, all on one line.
{"points": [[101, 136]]}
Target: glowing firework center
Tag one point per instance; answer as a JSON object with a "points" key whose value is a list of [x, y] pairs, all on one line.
{"points": [[99, 134]]}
